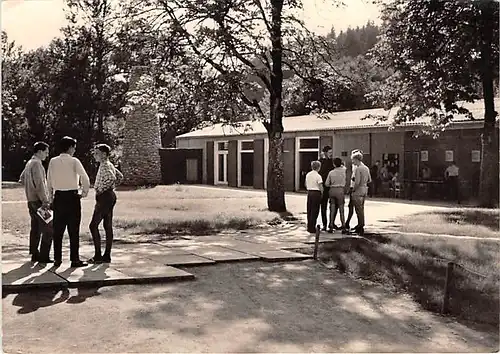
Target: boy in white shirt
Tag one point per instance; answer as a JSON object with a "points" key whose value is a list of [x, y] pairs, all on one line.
{"points": [[314, 186]]}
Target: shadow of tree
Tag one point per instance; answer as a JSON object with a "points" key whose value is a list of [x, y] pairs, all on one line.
{"points": [[487, 218], [420, 271], [295, 305]]}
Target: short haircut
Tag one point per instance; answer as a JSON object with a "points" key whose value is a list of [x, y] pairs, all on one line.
{"points": [[67, 142], [337, 162], [40, 146], [103, 148], [357, 155], [327, 148], [316, 165]]}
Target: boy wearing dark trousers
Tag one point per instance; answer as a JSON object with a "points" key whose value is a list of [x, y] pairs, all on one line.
{"points": [[314, 186], [326, 166], [108, 177]]}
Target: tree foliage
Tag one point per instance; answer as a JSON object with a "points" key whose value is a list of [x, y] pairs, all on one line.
{"points": [[443, 53]]}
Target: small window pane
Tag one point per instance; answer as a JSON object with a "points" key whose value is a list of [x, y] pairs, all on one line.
{"points": [[247, 145], [309, 143], [222, 146], [344, 153]]}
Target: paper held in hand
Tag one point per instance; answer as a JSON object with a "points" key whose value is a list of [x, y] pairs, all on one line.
{"points": [[46, 214]]}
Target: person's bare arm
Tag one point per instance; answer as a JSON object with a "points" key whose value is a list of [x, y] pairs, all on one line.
{"points": [[357, 179], [328, 181], [119, 177], [84, 178], [50, 185], [22, 178]]}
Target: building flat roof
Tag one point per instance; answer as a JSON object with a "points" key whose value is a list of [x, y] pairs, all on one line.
{"points": [[335, 121]]}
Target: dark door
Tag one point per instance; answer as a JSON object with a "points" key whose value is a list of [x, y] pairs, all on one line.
{"points": [[411, 165], [305, 159], [247, 169]]}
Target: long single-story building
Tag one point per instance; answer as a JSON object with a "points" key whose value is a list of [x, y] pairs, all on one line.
{"points": [[238, 156]]}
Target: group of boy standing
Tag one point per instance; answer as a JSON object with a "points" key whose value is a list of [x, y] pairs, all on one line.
{"points": [[328, 182], [61, 190]]}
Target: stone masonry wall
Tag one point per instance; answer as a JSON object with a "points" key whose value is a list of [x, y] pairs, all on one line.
{"points": [[141, 164]]}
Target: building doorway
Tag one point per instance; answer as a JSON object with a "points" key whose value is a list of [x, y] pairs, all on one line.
{"points": [[221, 162], [308, 151], [246, 168]]}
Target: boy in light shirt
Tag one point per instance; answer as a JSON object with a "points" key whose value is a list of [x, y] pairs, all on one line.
{"points": [[351, 186], [314, 186], [336, 181]]}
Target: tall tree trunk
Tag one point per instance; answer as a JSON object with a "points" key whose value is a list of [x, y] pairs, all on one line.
{"points": [[489, 177], [275, 177]]}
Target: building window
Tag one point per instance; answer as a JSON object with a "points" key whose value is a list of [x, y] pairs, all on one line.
{"points": [[223, 145], [247, 146], [309, 144], [343, 154]]}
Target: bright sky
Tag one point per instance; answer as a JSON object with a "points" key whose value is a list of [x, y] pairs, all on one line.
{"points": [[33, 23]]}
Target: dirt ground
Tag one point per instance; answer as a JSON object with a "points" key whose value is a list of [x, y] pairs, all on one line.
{"points": [[238, 307]]}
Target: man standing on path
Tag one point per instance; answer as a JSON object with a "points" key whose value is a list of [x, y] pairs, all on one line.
{"points": [[350, 186], [314, 186], [35, 186], [451, 176], [64, 176], [326, 166], [373, 189], [108, 177], [336, 181], [360, 189]]}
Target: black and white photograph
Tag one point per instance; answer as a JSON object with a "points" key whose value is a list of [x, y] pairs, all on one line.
{"points": [[250, 176]]}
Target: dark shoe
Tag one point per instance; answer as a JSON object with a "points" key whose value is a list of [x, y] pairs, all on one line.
{"points": [[345, 232], [78, 264], [324, 228], [361, 231], [335, 227], [35, 257], [330, 231], [57, 263], [106, 259], [45, 260]]}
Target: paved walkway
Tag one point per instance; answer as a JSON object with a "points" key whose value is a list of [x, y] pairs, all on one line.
{"points": [[160, 261], [154, 262]]}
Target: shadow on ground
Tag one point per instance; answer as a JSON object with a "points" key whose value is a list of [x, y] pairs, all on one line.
{"points": [[248, 307], [474, 217], [420, 271]]}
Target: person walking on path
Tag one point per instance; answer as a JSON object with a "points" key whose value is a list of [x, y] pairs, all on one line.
{"points": [[326, 167], [360, 189], [34, 180], [451, 176], [63, 178], [314, 186], [336, 182], [108, 177]]}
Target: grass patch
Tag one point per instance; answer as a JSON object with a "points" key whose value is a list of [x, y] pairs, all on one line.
{"points": [[414, 264], [187, 227], [161, 211], [458, 222]]}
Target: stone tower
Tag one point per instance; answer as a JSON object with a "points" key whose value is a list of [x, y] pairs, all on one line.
{"points": [[141, 157]]}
